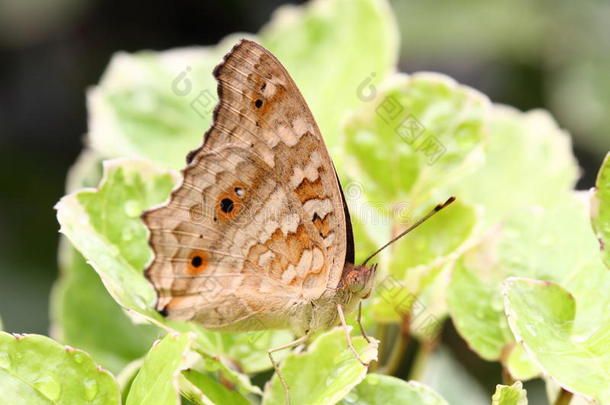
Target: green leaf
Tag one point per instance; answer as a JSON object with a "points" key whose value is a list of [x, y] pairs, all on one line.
{"points": [[420, 258], [306, 38], [519, 365], [510, 395], [553, 244], [440, 239], [543, 317], [378, 389], [328, 359], [37, 370], [110, 336], [448, 377], [418, 133], [104, 225], [157, 380], [155, 105], [520, 144], [600, 209], [202, 389], [476, 307]]}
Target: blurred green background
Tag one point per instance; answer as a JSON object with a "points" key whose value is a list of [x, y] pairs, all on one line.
{"points": [[543, 54]]}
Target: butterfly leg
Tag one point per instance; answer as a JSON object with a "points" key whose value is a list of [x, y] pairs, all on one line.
{"points": [[364, 335], [348, 337], [276, 366]]}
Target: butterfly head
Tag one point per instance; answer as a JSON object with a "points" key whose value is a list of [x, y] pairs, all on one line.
{"points": [[359, 280]]}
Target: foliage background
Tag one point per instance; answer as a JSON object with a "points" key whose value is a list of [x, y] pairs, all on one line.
{"points": [[527, 54]]}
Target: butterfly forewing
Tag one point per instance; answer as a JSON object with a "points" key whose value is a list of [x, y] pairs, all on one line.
{"points": [[258, 224]]}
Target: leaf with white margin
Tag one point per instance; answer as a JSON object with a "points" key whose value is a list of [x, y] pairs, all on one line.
{"points": [[418, 133], [553, 244], [542, 316], [155, 105], [448, 377], [36, 370], [519, 364], [518, 145], [157, 382], [104, 225], [420, 257], [510, 395], [600, 209], [322, 44], [327, 359], [110, 337], [377, 389]]}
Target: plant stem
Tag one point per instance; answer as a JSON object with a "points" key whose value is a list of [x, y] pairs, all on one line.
{"points": [[564, 397], [399, 348], [424, 352], [381, 334], [507, 379]]}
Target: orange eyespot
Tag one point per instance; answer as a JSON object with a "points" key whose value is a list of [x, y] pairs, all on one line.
{"points": [[198, 261], [229, 202]]}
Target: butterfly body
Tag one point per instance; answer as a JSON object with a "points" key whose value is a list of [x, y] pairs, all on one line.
{"points": [[258, 234]]}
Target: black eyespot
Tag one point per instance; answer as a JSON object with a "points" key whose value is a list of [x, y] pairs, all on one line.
{"points": [[258, 103], [196, 261], [263, 86], [239, 191], [226, 205]]}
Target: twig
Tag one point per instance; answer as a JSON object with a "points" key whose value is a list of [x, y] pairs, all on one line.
{"points": [[564, 397], [424, 352], [399, 349]]}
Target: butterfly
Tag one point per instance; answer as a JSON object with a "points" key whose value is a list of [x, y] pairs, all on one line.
{"points": [[258, 235]]}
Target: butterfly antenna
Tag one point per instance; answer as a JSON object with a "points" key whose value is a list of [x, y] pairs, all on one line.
{"points": [[409, 229]]}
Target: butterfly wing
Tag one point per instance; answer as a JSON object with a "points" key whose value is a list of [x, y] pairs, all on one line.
{"points": [[258, 224]]}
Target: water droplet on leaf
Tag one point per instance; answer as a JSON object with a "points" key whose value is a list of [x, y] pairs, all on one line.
{"points": [[49, 387], [5, 360], [127, 234], [78, 357], [90, 389], [132, 208]]}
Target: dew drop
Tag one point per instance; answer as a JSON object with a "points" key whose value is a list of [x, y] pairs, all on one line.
{"points": [[127, 234], [49, 387], [132, 208], [373, 379], [78, 357], [5, 360], [90, 389]]}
